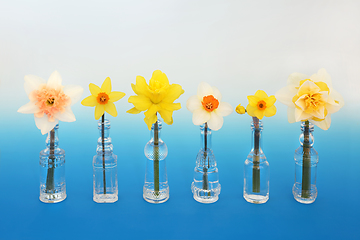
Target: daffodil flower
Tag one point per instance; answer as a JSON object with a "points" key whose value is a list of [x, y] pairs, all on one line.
{"points": [[311, 98], [50, 102], [157, 97], [102, 99], [240, 109], [206, 106], [261, 105]]}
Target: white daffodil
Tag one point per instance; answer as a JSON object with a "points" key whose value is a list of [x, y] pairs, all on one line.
{"points": [[310, 98], [50, 102], [206, 106]]}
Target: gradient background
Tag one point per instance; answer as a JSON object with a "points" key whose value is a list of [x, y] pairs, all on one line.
{"points": [[238, 46]]}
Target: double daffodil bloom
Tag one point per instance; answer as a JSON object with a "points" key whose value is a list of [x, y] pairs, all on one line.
{"points": [[50, 102], [311, 98], [261, 105], [102, 99], [157, 97]]}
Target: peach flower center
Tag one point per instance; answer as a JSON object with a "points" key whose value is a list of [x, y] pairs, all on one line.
{"points": [[210, 103]]}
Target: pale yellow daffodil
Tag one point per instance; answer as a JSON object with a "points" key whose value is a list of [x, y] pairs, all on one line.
{"points": [[261, 105], [311, 98], [157, 97], [102, 99]]}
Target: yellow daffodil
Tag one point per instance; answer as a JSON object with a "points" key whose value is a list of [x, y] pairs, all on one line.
{"points": [[240, 109], [311, 98], [261, 105], [157, 97], [102, 99]]}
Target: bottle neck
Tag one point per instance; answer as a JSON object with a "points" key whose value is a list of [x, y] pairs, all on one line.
{"points": [[104, 141], [256, 139], [306, 137], [205, 136], [52, 140], [155, 133]]}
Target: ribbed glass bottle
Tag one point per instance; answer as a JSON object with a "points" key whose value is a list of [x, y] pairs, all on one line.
{"points": [[306, 160], [52, 170], [105, 167], [156, 187], [256, 169], [206, 187]]}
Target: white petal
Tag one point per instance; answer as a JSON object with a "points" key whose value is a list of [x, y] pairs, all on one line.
{"points": [[224, 109], [204, 89], [301, 115], [74, 92], [322, 76], [67, 116], [55, 80], [44, 125], [217, 94], [30, 107], [337, 96], [32, 83], [295, 78], [193, 103], [200, 116], [291, 114], [325, 124], [216, 121], [286, 94]]}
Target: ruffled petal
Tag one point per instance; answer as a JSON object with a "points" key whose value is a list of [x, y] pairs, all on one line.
{"points": [[99, 111], [106, 86], [324, 124], [151, 111], [170, 106], [111, 109], [308, 87], [193, 103], [32, 83], [270, 111], [159, 76], [44, 124], [89, 101], [300, 115], [66, 116], [217, 94], [204, 89], [285, 95], [215, 122], [141, 87], [141, 102], [224, 109], [291, 114], [200, 116], [54, 80], [322, 76], [150, 121], [133, 111], [30, 107], [115, 96], [94, 90], [166, 116], [295, 78], [337, 97], [74, 92], [173, 93]]}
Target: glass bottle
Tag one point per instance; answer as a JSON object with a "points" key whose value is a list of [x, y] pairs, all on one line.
{"points": [[156, 187], [306, 160], [105, 167], [52, 170], [206, 187], [256, 169]]}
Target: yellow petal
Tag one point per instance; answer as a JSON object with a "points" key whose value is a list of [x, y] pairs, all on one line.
{"points": [[308, 87], [170, 106], [141, 87], [90, 101], [166, 116], [151, 111], [111, 109], [251, 110], [259, 113], [150, 121], [94, 90], [141, 102], [270, 101], [270, 111], [99, 111], [323, 86], [159, 76], [253, 100], [133, 111], [173, 93], [261, 94], [240, 109], [115, 96], [106, 86]]}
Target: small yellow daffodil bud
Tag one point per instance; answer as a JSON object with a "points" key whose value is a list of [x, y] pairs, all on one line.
{"points": [[240, 109]]}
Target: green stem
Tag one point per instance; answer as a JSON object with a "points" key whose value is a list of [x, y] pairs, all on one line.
{"points": [[103, 148], [205, 168], [156, 159], [50, 186], [306, 173], [256, 157]]}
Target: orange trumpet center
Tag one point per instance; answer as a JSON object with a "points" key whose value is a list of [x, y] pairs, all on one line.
{"points": [[261, 105], [102, 98], [210, 103]]}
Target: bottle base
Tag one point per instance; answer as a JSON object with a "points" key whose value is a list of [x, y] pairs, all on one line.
{"points": [[256, 199], [297, 192], [151, 196], [105, 198], [52, 197], [205, 196]]}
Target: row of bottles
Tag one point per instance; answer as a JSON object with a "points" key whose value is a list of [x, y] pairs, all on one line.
{"points": [[205, 187]]}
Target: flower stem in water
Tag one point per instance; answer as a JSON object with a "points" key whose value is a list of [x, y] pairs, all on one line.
{"points": [[156, 159], [103, 148], [306, 173], [50, 186], [256, 156], [205, 168]]}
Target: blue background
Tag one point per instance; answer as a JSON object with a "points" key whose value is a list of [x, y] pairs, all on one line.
{"points": [[238, 46]]}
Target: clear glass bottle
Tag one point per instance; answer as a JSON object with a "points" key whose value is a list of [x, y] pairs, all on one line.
{"points": [[306, 160], [256, 169], [52, 170], [156, 187], [206, 187], [105, 167]]}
